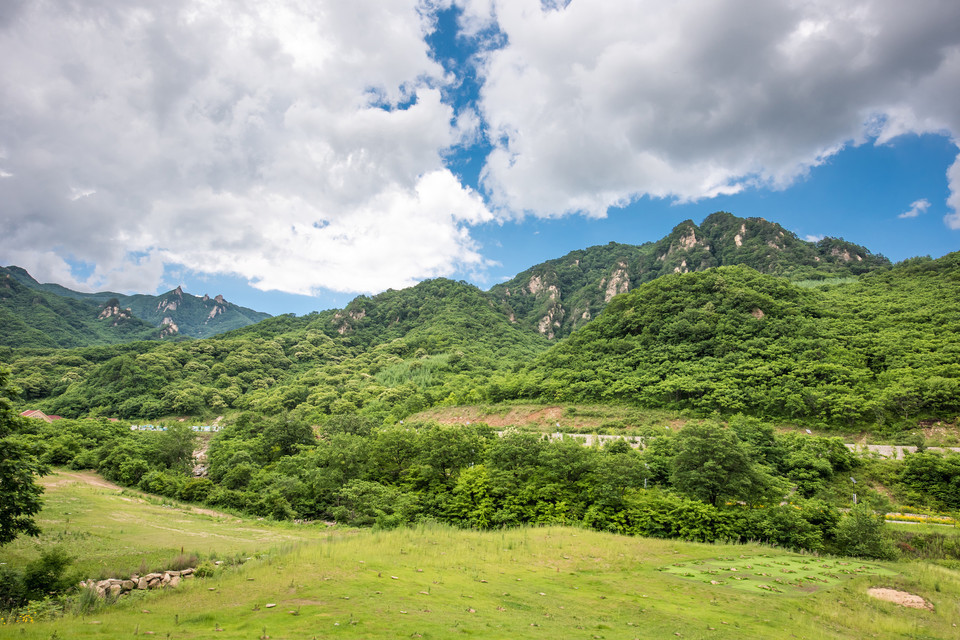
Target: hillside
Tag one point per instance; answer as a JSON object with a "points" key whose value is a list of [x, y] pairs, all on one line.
{"points": [[558, 296], [175, 313], [877, 353], [881, 350], [37, 318], [391, 354]]}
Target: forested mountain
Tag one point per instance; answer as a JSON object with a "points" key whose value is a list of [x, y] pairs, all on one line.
{"points": [[37, 318], [557, 296], [552, 298], [387, 355], [174, 312], [877, 351]]}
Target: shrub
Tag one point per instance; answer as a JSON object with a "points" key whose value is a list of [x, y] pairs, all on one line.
{"points": [[12, 592], [205, 569], [860, 533], [46, 575]]}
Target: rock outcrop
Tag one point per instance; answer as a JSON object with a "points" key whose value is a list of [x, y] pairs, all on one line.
{"points": [[117, 587]]}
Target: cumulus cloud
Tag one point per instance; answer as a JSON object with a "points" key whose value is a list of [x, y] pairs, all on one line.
{"points": [[952, 219], [297, 144], [916, 208], [306, 145], [592, 105]]}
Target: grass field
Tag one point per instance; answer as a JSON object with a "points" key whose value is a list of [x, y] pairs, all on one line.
{"points": [[113, 531], [438, 582]]}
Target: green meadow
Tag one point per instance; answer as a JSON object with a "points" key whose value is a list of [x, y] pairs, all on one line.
{"points": [[434, 581]]}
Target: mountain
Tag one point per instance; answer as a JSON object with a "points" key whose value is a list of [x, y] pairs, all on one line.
{"points": [[38, 318], [175, 313], [395, 353], [882, 349], [557, 296], [197, 317]]}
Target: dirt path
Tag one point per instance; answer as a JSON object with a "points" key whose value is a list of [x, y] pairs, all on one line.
{"points": [[62, 477]]}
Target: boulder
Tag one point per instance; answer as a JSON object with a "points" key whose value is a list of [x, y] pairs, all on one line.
{"points": [[120, 586]]}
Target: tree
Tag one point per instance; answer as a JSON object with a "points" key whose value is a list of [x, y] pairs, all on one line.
{"points": [[19, 491], [713, 465], [860, 533]]}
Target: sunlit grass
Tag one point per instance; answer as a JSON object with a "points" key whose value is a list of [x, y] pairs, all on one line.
{"points": [[116, 532], [434, 581]]}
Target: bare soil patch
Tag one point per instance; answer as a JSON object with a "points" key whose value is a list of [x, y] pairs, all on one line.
{"points": [[901, 598], [63, 477]]}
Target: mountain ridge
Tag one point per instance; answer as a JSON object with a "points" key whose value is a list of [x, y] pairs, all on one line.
{"points": [[558, 296], [174, 313]]}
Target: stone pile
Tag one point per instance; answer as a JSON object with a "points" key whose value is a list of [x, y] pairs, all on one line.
{"points": [[116, 587]]}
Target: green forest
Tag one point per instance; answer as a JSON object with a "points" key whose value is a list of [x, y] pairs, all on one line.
{"points": [[878, 353]]}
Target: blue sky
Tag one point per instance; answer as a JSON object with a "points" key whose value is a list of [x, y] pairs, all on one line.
{"points": [[291, 158]]}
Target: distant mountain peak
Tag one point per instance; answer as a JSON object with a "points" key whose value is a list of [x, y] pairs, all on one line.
{"points": [[559, 295], [174, 312]]}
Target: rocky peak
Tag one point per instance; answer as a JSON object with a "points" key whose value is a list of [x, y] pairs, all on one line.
{"points": [[112, 309], [168, 304], [168, 327]]}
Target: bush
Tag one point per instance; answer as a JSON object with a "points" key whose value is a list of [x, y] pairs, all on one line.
{"points": [[161, 483], [196, 489], [860, 533], [782, 525], [46, 575], [12, 592], [182, 561], [205, 569]]}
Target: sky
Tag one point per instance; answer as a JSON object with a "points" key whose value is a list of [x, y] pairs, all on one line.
{"points": [[292, 155]]}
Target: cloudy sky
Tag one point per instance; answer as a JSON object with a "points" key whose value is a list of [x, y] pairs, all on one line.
{"points": [[293, 154]]}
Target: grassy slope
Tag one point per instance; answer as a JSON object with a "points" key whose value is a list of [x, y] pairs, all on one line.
{"points": [[110, 530], [437, 582]]}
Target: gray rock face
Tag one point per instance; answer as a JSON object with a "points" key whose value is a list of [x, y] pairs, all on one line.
{"points": [[118, 587]]}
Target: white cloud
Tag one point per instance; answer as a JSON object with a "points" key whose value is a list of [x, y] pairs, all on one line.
{"points": [[300, 145], [916, 208], [952, 219], [813, 237], [593, 105], [304, 145]]}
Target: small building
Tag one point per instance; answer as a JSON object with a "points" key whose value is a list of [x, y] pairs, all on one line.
{"points": [[39, 415]]}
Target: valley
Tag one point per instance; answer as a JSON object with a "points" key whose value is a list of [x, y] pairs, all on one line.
{"points": [[781, 397]]}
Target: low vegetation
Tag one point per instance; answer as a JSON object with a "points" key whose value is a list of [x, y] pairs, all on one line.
{"points": [[433, 581]]}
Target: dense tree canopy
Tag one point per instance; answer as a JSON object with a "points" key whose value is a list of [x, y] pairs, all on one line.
{"points": [[19, 468], [880, 351]]}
